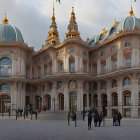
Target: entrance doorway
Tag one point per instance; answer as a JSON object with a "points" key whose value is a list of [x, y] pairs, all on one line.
{"points": [[73, 101], [38, 102], [5, 103], [61, 101], [104, 104]]}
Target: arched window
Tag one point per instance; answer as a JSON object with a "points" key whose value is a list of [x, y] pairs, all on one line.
{"points": [[126, 81], [114, 48], [59, 85], [72, 65], [5, 67], [50, 85], [5, 87], [114, 83], [127, 43], [72, 84], [103, 84]]}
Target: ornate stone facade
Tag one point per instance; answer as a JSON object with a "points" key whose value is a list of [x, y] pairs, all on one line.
{"points": [[101, 73]]}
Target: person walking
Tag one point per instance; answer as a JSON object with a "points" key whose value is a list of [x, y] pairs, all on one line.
{"points": [[75, 118], [100, 118], [68, 117], [84, 115], [95, 118], [114, 119], [89, 120], [119, 117]]}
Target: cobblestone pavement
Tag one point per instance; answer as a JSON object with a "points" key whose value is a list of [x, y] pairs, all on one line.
{"points": [[10, 129]]}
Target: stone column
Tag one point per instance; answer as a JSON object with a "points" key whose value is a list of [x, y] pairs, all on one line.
{"points": [[76, 63], [120, 96], [109, 99], [120, 59], [134, 97], [98, 67], [80, 93], [99, 97], [66, 96]]}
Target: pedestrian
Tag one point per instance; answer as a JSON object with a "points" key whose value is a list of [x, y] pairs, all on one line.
{"points": [[95, 118], [119, 117], [36, 114], [75, 118], [100, 118], [114, 118], [9, 112], [69, 117], [89, 120], [84, 115]]}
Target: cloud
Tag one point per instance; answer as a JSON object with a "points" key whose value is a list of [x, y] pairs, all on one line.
{"points": [[33, 17]]}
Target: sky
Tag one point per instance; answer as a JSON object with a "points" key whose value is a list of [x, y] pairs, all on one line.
{"points": [[33, 17]]}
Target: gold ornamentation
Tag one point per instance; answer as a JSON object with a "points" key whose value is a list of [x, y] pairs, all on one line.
{"points": [[131, 12], [5, 20], [73, 19], [103, 32], [116, 22]]}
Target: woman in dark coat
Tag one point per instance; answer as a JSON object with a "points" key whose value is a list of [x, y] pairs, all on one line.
{"points": [[89, 120], [96, 118], [114, 119]]}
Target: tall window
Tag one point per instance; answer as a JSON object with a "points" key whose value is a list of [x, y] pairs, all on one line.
{"points": [[103, 84], [114, 83], [126, 81], [103, 53], [4, 87], [128, 62], [5, 67], [127, 99], [72, 66], [127, 43], [114, 48], [104, 68], [61, 67], [114, 65], [59, 85]]}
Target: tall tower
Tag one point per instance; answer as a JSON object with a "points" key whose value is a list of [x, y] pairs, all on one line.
{"points": [[53, 35], [72, 27]]}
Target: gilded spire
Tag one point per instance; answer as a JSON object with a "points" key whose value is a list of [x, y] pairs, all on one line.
{"points": [[116, 22], [73, 19], [53, 17], [5, 20], [131, 12]]}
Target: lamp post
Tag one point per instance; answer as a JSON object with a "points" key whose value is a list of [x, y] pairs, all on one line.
{"points": [[54, 103]]}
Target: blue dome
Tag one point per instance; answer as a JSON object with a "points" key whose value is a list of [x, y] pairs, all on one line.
{"points": [[129, 23], [9, 33]]}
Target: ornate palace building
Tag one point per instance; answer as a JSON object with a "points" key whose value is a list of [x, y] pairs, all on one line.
{"points": [[101, 73]]}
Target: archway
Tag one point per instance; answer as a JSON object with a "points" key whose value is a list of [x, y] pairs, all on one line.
{"points": [[84, 101], [27, 100], [5, 103], [104, 104], [47, 100], [114, 102], [38, 102], [73, 101], [61, 101], [127, 103]]}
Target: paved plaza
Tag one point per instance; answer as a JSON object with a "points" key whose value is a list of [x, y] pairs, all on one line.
{"points": [[10, 129]]}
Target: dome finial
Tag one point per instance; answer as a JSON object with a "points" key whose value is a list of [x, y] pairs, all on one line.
{"points": [[73, 19], [5, 20], [131, 12], [53, 17], [116, 22]]}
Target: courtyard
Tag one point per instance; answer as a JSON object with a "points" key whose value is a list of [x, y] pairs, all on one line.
{"points": [[10, 129]]}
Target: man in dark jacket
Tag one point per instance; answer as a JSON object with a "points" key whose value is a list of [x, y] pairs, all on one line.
{"points": [[89, 120], [95, 118], [119, 117]]}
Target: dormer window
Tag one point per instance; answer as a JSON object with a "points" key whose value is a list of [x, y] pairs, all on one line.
{"points": [[103, 53], [114, 48], [127, 43]]}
